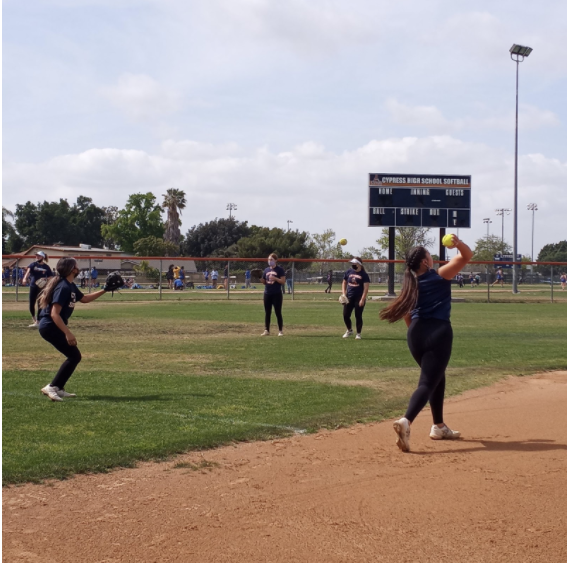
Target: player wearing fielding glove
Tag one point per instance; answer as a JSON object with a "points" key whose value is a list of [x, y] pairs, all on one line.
{"points": [[57, 302], [354, 296], [425, 303]]}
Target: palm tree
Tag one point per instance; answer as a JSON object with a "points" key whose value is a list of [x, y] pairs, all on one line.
{"points": [[174, 202]]}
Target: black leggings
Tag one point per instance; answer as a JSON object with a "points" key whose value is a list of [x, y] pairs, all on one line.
{"points": [[57, 339], [34, 292], [353, 304], [430, 343], [276, 302]]}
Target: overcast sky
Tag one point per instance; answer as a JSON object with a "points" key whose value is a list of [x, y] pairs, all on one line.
{"points": [[284, 107]]}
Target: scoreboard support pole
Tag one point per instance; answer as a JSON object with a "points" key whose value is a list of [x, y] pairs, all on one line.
{"points": [[390, 289], [442, 247]]}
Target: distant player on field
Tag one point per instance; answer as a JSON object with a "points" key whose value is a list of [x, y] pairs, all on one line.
{"points": [[273, 279], [355, 287]]}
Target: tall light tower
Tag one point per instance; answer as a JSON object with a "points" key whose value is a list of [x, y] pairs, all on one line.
{"points": [[230, 207], [518, 54], [487, 221], [501, 212], [289, 222], [532, 206]]}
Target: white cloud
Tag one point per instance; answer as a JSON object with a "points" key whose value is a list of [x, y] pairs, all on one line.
{"points": [[433, 120], [315, 188], [141, 97]]}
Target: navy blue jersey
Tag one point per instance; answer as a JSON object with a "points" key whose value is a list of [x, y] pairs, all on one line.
{"points": [[39, 271], [356, 283], [65, 294], [434, 297], [272, 287]]}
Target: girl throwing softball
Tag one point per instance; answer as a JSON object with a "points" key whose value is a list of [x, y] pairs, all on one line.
{"points": [[57, 302], [355, 287], [425, 303], [273, 278]]}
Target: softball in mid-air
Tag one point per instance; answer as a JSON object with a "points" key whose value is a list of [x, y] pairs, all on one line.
{"points": [[448, 240], [343, 242]]}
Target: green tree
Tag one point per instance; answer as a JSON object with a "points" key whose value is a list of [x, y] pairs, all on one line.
{"points": [[214, 238], [60, 222], [174, 202], [405, 238], [110, 215], [284, 243], [140, 218], [553, 252], [155, 247], [86, 219], [327, 247], [9, 233], [486, 249]]}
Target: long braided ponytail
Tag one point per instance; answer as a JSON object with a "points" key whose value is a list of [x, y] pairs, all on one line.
{"points": [[406, 301]]}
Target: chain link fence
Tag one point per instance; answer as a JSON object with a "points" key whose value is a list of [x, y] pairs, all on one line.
{"points": [[241, 276]]}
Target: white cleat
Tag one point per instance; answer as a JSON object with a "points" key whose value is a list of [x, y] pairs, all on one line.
{"points": [[402, 429], [348, 333], [265, 333], [52, 392], [443, 433], [358, 337], [63, 393], [34, 325], [281, 333]]}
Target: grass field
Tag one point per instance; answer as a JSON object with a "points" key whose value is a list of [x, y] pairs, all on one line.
{"points": [[163, 377]]}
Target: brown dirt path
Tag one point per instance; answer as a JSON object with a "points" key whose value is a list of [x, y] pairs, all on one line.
{"points": [[498, 495]]}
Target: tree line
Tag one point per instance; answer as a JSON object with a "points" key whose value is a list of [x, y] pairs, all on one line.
{"points": [[139, 229]]}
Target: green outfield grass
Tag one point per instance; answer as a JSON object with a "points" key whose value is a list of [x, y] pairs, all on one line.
{"points": [[163, 377]]}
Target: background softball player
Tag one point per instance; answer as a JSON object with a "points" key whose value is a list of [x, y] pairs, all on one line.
{"points": [[354, 296], [273, 278], [37, 273]]}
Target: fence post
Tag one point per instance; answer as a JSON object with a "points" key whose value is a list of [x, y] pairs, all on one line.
{"points": [[293, 264], [228, 281], [90, 282], [488, 286], [17, 278], [160, 283], [551, 285]]}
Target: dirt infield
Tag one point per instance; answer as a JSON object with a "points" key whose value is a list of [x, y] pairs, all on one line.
{"points": [[498, 495]]}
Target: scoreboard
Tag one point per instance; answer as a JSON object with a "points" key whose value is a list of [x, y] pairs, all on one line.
{"points": [[429, 201]]}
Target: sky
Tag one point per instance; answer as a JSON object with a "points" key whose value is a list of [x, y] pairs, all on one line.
{"points": [[284, 108]]}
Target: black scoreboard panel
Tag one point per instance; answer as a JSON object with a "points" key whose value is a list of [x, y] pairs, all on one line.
{"points": [[430, 201]]}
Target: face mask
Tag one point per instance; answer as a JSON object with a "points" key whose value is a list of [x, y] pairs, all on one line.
{"points": [[355, 267], [272, 263]]}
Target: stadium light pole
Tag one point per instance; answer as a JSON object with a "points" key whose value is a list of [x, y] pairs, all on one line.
{"points": [[518, 54], [501, 212], [487, 221], [230, 207], [532, 206], [289, 222]]}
